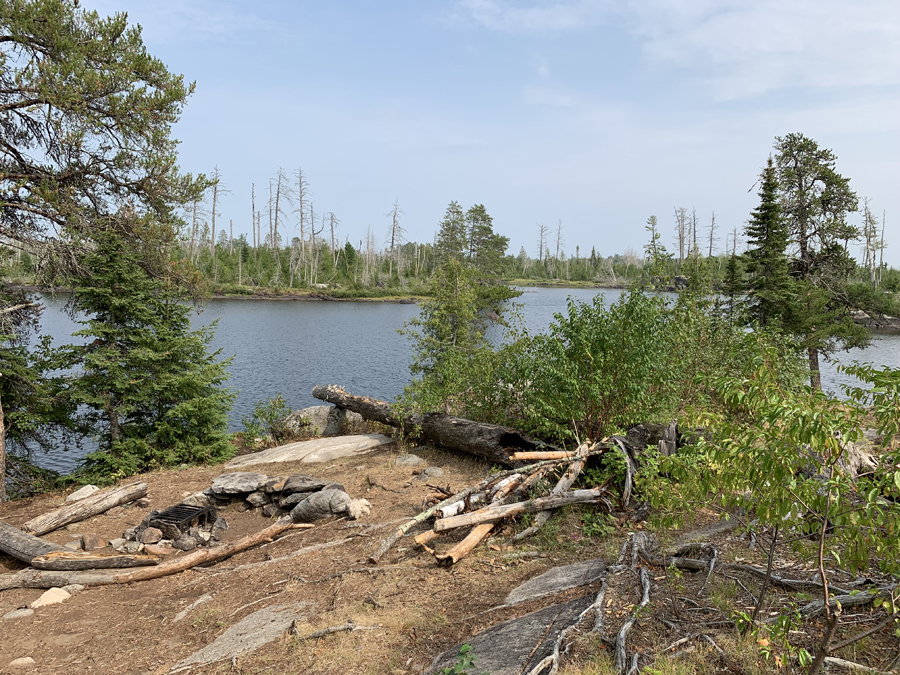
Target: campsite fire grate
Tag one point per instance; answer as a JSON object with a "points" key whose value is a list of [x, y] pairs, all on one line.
{"points": [[184, 516]]}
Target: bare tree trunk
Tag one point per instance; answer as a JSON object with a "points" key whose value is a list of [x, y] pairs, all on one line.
{"points": [[230, 237], [815, 377], [712, 231], [215, 202], [559, 243]]}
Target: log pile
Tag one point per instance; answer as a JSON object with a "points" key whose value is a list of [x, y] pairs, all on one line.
{"points": [[508, 494]]}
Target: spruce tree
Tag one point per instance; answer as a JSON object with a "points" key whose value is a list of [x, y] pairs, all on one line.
{"points": [[151, 390], [769, 286]]}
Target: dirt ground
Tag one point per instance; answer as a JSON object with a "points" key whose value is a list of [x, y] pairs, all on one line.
{"points": [[417, 608]]}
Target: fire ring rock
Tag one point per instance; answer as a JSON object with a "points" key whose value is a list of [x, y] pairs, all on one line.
{"points": [[238, 483], [321, 505]]}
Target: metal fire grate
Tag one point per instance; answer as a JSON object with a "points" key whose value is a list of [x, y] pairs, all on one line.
{"points": [[184, 517]]}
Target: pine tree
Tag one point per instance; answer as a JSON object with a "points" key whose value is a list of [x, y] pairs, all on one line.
{"points": [[769, 286], [153, 393]]}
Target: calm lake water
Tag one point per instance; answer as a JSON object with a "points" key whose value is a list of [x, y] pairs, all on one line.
{"points": [[288, 347]]}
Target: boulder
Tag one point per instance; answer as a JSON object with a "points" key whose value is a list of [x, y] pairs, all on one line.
{"points": [[292, 500], [185, 543], [198, 499], [238, 483], [321, 505], [91, 541], [320, 420]]}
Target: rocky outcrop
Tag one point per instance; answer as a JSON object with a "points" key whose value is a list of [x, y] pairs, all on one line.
{"points": [[320, 420]]}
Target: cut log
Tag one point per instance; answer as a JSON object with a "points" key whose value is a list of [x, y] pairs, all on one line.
{"points": [[536, 456], [489, 441], [85, 508], [492, 514], [66, 561], [464, 547], [566, 481], [32, 578], [23, 546]]}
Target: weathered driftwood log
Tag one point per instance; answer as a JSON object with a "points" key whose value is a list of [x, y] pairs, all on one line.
{"points": [[70, 561], [85, 508], [32, 578], [23, 546], [489, 441], [495, 513]]}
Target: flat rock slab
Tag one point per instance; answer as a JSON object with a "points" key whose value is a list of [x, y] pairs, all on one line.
{"points": [[516, 646], [248, 634], [238, 483], [556, 580], [316, 450]]}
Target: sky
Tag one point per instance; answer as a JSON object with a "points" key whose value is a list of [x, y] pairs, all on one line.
{"points": [[595, 113]]}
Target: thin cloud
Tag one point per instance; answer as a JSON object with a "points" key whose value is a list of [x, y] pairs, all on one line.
{"points": [[741, 48]]}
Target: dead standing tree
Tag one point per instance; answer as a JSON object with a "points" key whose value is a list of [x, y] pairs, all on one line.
{"points": [[395, 236], [681, 230]]}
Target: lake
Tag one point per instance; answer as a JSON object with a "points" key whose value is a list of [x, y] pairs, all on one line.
{"points": [[288, 347]]}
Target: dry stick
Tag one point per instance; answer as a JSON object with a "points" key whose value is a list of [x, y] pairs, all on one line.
{"points": [[791, 584], [348, 627], [621, 656], [566, 481], [494, 513], [712, 642], [295, 554], [866, 633], [762, 591], [741, 584], [634, 665], [712, 566], [854, 667], [425, 515], [555, 454], [630, 471]]}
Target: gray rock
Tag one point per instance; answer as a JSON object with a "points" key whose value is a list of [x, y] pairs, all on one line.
{"points": [[151, 535], [257, 499], [218, 528], [358, 508], [516, 646], [557, 579], [131, 547], [72, 589], [185, 543], [91, 541], [18, 614], [320, 505], [430, 472], [316, 450], [238, 483], [409, 460], [320, 420], [274, 484], [335, 486], [118, 543], [271, 511], [198, 499], [142, 503], [248, 634], [130, 534], [301, 483], [292, 500]]}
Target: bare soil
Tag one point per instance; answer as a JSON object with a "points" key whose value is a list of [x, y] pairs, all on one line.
{"points": [[419, 607]]}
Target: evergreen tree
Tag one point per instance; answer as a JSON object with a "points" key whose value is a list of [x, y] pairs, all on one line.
{"points": [[769, 286], [153, 393], [815, 201], [733, 284], [451, 236]]}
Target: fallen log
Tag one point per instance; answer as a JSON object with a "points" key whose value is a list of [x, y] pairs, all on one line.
{"points": [[495, 513], [23, 546], [70, 561], [85, 508], [32, 578], [489, 441]]}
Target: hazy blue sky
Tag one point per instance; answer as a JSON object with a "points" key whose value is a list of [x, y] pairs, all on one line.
{"points": [[598, 113]]}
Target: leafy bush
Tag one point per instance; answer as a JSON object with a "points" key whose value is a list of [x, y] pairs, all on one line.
{"points": [[267, 419]]}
